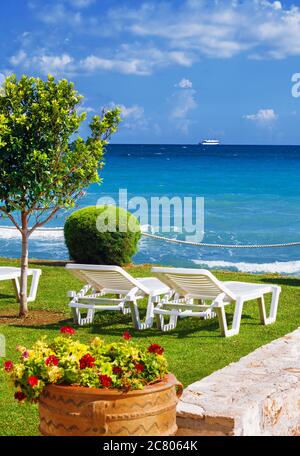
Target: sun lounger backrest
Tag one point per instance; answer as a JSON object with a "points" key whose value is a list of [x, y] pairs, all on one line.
{"points": [[192, 283], [110, 278]]}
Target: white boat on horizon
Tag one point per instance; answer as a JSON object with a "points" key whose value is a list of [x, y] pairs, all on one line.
{"points": [[210, 142]]}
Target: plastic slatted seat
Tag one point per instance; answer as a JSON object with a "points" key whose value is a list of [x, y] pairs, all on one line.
{"points": [[198, 293]]}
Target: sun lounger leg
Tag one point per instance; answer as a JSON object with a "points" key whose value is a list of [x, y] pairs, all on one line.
{"points": [[171, 325], [76, 316], [33, 288], [34, 285], [78, 320], [90, 316], [210, 315], [135, 314], [165, 327], [220, 311], [273, 310], [236, 319], [125, 310], [262, 309], [160, 321], [150, 307]]}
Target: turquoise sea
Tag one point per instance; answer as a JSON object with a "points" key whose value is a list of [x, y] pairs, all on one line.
{"points": [[251, 193]]}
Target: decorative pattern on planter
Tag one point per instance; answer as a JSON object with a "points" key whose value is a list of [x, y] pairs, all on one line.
{"points": [[67, 410]]}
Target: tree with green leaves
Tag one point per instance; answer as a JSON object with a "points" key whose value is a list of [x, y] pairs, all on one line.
{"points": [[45, 165]]}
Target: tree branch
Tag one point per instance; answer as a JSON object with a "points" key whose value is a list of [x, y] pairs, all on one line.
{"points": [[43, 222], [11, 219]]}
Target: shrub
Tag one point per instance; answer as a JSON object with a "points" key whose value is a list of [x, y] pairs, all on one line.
{"points": [[87, 243]]}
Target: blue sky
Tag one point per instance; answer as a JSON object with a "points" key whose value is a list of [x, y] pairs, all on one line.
{"points": [[181, 70]]}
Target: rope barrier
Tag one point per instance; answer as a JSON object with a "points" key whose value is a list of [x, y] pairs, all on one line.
{"points": [[196, 244], [222, 246]]}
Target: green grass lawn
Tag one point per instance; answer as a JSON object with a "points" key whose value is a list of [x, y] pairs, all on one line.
{"points": [[194, 349]]}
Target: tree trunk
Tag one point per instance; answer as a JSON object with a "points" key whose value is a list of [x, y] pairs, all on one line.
{"points": [[24, 267]]}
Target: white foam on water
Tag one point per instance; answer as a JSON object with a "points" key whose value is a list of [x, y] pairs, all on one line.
{"points": [[55, 236], [288, 267], [41, 233], [148, 229]]}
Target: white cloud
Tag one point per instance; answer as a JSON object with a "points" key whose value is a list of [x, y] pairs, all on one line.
{"points": [[263, 116], [56, 13], [135, 111], [19, 58], [133, 66], [87, 109], [81, 3], [277, 5], [55, 64], [134, 59], [128, 60], [183, 102], [185, 84], [133, 117], [151, 35], [218, 29]]}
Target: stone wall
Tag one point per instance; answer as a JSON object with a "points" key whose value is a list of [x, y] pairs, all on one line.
{"points": [[256, 396]]}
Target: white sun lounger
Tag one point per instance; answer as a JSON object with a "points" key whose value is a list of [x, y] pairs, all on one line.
{"points": [[199, 293], [14, 274], [113, 280]]}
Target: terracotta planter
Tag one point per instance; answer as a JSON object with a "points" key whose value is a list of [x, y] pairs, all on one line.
{"points": [[71, 411]]}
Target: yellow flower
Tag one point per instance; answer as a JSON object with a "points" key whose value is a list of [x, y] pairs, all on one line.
{"points": [[19, 370], [97, 342], [54, 374]]}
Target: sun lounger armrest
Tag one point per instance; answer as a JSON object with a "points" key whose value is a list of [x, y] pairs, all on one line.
{"points": [[220, 300], [133, 294]]}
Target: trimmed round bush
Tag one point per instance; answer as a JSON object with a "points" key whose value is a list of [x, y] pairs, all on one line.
{"points": [[102, 235]]}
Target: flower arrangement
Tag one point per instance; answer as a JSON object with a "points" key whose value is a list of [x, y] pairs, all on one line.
{"points": [[66, 361]]}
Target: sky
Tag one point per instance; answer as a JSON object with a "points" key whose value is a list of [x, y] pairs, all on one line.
{"points": [[182, 71]]}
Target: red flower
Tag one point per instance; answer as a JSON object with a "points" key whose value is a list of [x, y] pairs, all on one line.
{"points": [[32, 380], [105, 380], [87, 361], [25, 354], [19, 396], [117, 370], [155, 348], [8, 366], [127, 335], [139, 367], [52, 360], [67, 330]]}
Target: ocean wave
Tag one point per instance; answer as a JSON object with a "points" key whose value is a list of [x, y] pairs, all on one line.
{"points": [[51, 240], [288, 267], [56, 233]]}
